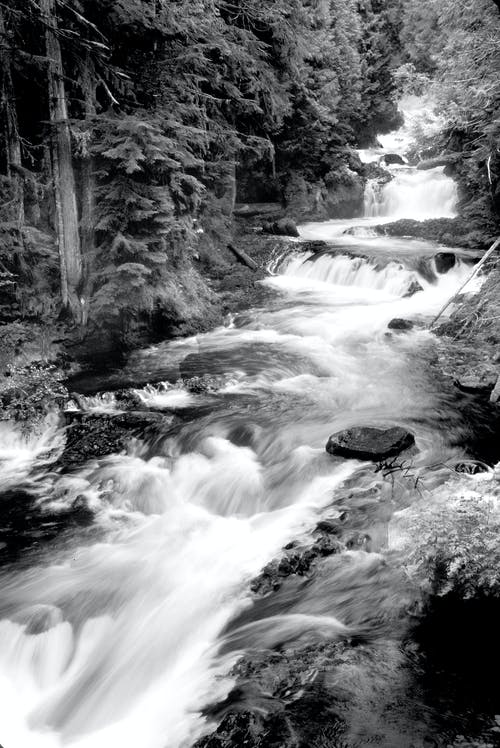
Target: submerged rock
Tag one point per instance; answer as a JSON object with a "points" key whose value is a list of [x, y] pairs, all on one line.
{"points": [[400, 324], [368, 443], [413, 288]]}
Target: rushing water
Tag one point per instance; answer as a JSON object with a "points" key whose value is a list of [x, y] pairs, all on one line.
{"points": [[111, 636]]}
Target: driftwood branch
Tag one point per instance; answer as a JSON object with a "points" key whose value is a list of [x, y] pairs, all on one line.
{"points": [[243, 257], [445, 159], [476, 270]]}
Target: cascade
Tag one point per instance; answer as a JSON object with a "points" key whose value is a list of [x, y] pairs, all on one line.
{"points": [[119, 634]]}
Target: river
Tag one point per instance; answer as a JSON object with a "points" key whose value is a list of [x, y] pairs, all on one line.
{"points": [[115, 633]]}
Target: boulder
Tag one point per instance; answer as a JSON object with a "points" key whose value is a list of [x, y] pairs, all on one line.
{"points": [[282, 227], [377, 172], [400, 324], [413, 288], [444, 261], [393, 158], [368, 443]]}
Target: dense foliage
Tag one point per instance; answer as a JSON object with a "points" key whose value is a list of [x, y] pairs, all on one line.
{"points": [[450, 540], [168, 104]]}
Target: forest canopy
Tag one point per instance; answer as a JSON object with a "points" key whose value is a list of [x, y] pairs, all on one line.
{"points": [[129, 124]]}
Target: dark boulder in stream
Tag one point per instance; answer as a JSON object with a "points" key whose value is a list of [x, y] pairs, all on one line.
{"points": [[95, 435], [368, 443], [444, 261], [282, 227], [394, 158], [400, 324]]}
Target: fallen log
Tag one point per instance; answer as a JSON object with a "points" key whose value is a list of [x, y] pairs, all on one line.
{"points": [[445, 160], [249, 210], [243, 257]]}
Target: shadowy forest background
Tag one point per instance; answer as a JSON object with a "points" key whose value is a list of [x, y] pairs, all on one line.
{"points": [[132, 128]]}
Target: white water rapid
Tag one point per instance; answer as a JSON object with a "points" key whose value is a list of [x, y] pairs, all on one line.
{"points": [[110, 635]]}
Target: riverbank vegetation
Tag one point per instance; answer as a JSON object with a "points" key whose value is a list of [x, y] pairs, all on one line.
{"points": [[129, 129]]}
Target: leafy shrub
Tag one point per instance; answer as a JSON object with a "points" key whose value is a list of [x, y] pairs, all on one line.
{"points": [[29, 393], [451, 541]]}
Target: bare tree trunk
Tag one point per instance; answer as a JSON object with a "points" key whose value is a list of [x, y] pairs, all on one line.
{"points": [[87, 189], [62, 168], [12, 140]]}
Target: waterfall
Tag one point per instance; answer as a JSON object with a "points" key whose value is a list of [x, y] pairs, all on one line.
{"points": [[412, 194], [343, 270], [373, 200]]}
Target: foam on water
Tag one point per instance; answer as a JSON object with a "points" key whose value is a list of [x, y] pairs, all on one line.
{"points": [[116, 641]]}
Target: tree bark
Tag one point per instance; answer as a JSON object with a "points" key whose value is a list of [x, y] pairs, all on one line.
{"points": [[12, 140], [68, 236], [87, 188]]}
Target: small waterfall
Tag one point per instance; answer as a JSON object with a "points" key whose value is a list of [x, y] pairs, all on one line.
{"points": [[412, 194], [343, 270], [373, 201]]}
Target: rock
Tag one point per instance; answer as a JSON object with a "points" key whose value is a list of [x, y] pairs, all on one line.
{"points": [[444, 261], [282, 227], [205, 384], [314, 245], [455, 232], [95, 435], [400, 324], [393, 158], [377, 172], [471, 467], [477, 382], [368, 443], [413, 288]]}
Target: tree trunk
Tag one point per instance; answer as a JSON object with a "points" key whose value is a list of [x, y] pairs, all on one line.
{"points": [[62, 169], [87, 189], [12, 141]]}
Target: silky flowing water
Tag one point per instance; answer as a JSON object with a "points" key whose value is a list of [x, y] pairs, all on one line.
{"points": [[118, 632]]}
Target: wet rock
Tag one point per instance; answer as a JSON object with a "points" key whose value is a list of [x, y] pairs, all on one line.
{"points": [[376, 171], [400, 324], [368, 443], [454, 232], [315, 245], [205, 384], [393, 158], [413, 288], [95, 435], [299, 560], [249, 729], [471, 467], [476, 382], [282, 227], [444, 261]]}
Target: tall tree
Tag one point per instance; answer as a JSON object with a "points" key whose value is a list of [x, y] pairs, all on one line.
{"points": [[13, 165], [68, 235]]}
